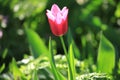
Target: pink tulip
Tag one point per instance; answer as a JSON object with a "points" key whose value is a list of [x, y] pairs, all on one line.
{"points": [[58, 20]]}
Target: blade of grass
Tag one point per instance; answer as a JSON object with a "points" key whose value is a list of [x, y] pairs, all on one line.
{"points": [[106, 55], [57, 74]]}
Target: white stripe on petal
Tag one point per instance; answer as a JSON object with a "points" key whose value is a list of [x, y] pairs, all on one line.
{"points": [[48, 11], [50, 16], [59, 18], [64, 14], [63, 10]]}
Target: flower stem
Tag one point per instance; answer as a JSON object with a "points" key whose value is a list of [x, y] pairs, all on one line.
{"points": [[64, 48], [70, 74]]}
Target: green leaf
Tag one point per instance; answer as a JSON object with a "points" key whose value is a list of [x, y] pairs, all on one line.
{"points": [[106, 56], [37, 45], [57, 74], [117, 12], [2, 67], [71, 72], [4, 53], [15, 71], [75, 48], [35, 76]]}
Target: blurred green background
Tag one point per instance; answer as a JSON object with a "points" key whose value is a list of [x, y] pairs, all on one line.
{"points": [[86, 19]]}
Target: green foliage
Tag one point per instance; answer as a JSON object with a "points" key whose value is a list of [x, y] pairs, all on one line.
{"points": [[106, 55], [37, 45], [2, 67], [86, 19], [21, 8], [72, 71], [4, 54], [117, 12], [94, 76], [17, 74], [57, 74], [40, 68], [75, 48], [35, 76]]}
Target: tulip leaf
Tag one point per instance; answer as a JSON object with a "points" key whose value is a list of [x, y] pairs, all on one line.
{"points": [[57, 74], [37, 45], [106, 56], [75, 48], [71, 72]]}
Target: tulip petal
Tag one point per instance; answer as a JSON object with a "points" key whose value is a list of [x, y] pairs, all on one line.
{"points": [[63, 10], [65, 14], [55, 9], [50, 16], [59, 18], [48, 11]]}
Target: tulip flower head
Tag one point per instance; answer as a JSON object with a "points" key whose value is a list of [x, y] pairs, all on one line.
{"points": [[58, 20]]}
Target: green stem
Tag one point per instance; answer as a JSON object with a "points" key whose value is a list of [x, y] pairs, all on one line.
{"points": [[69, 66], [64, 48]]}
